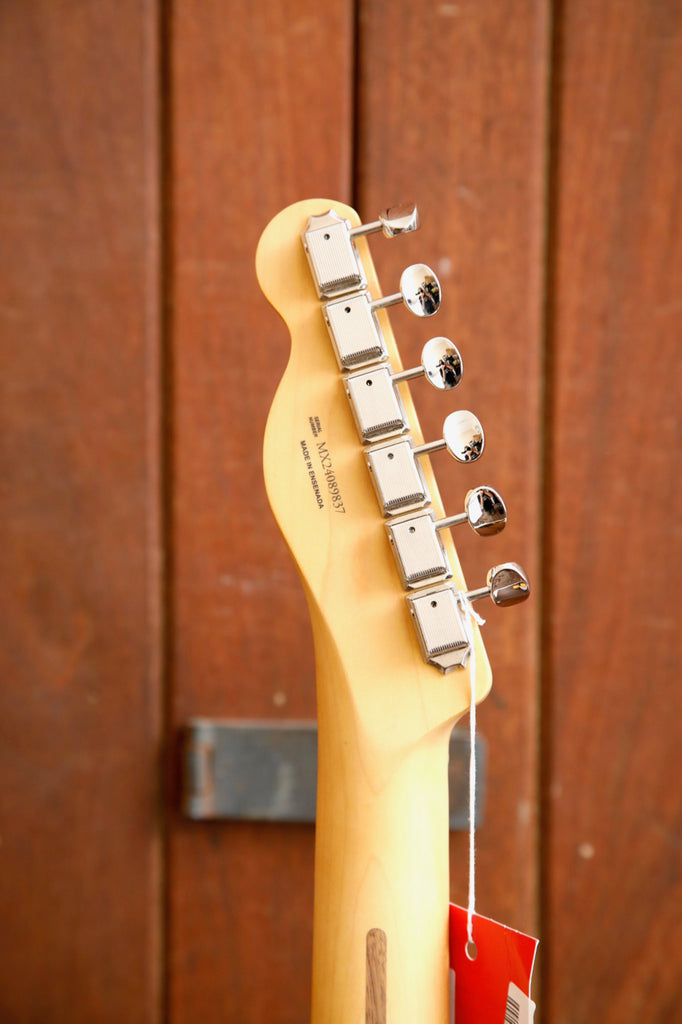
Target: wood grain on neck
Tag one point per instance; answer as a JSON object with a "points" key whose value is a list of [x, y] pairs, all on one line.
{"points": [[381, 858]]}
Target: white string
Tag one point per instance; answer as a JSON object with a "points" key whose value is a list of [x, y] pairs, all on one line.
{"points": [[470, 616]]}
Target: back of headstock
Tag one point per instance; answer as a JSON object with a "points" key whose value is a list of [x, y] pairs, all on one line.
{"points": [[321, 493], [320, 488]]}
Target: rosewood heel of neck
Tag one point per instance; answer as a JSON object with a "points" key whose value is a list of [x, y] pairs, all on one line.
{"points": [[375, 988]]}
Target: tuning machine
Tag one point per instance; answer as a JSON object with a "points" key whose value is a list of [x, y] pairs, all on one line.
{"points": [[329, 243], [415, 538], [396, 473], [438, 617], [419, 290], [375, 399], [396, 220], [505, 584], [441, 365], [462, 436], [352, 321]]}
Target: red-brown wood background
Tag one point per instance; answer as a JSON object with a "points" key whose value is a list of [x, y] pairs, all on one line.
{"points": [[143, 147]]}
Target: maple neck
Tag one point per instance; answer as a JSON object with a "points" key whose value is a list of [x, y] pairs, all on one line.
{"points": [[385, 713], [381, 869]]}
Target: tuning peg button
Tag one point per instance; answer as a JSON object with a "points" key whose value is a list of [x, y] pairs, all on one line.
{"points": [[419, 290], [438, 617], [329, 244], [506, 584], [375, 400], [484, 511], [462, 436], [397, 220], [441, 365], [416, 543]]}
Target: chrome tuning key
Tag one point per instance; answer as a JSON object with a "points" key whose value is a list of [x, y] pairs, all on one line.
{"points": [[419, 290], [441, 365], [397, 220], [484, 511], [462, 436], [353, 325], [438, 616], [415, 538], [396, 473], [505, 584], [375, 399], [329, 244]]}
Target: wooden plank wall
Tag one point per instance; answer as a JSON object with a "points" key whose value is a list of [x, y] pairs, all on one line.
{"points": [[144, 148], [80, 718], [249, 135], [613, 728]]}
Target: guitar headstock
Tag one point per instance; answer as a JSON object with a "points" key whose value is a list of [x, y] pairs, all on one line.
{"points": [[350, 480]]}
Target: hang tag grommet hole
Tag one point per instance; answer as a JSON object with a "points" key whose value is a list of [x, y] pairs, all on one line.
{"points": [[471, 950]]}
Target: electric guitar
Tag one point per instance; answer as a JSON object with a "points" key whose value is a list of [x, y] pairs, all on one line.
{"points": [[350, 482]]}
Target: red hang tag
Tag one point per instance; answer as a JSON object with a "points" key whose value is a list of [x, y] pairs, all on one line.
{"points": [[494, 988]]}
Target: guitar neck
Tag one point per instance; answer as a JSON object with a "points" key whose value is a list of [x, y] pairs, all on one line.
{"points": [[342, 479], [381, 870]]}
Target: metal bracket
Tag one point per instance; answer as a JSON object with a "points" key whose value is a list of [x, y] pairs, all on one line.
{"points": [[440, 628], [418, 549], [377, 407], [332, 255], [354, 330], [397, 477], [267, 771]]}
